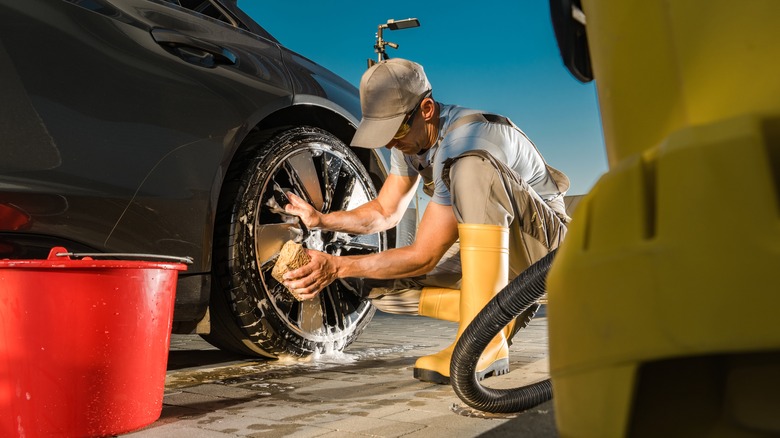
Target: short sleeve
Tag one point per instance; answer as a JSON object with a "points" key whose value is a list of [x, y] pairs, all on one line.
{"points": [[398, 165]]}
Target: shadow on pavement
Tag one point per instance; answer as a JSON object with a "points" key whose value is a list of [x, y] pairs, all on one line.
{"points": [[538, 421], [179, 359]]}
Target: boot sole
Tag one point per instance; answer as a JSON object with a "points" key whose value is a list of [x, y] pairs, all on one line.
{"points": [[497, 368]]}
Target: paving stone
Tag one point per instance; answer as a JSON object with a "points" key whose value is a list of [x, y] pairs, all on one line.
{"points": [[222, 391], [374, 426], [366, 391], [174, 430]]}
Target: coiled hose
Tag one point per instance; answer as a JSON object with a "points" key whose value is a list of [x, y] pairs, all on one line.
{"points": [[517, 296]]}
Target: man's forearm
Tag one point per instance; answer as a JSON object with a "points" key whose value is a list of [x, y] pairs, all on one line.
{"points": [[394, 263], [366, 219]]}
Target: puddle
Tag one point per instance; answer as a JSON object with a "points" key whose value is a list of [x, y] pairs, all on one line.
{"points": [[467, 411], [287, 366]]}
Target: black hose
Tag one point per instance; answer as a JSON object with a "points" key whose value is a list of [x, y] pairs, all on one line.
{"points": [[512, 300]]}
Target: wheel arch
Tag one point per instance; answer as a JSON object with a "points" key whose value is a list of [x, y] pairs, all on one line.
{"points": [[336, 121], [312, 115]]}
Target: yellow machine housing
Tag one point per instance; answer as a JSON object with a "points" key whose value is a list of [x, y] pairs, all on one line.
{"points": [[664, 306]]}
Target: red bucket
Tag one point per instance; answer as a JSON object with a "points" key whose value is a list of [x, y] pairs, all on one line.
{"points": [[84, 344]]}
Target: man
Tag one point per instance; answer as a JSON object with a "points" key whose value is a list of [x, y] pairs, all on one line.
{"points": [[496, 208]]}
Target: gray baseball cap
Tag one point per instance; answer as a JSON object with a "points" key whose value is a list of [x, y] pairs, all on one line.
{"points": [[389, 90]]}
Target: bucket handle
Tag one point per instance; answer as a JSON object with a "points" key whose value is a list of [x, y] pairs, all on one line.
{"points": [[186, 260]]}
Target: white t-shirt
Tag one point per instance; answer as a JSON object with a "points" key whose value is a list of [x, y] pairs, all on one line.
{"points": [[506, 143]]}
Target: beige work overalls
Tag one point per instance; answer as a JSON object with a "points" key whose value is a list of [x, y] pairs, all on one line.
{"points": [[484, 191]]}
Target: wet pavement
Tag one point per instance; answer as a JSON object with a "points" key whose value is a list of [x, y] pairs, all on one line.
{"points": [[366, 391]]}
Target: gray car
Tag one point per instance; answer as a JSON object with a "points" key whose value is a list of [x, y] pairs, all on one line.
{"points": [[176, 128]]}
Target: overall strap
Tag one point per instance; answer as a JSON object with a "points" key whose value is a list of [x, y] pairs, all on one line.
{"points": [[561, 180]]}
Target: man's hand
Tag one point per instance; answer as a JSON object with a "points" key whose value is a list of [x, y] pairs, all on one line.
{"points": [[309, 280], [308, 214]]}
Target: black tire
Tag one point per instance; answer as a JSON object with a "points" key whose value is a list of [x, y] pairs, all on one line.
{"points": [[251, 313]]}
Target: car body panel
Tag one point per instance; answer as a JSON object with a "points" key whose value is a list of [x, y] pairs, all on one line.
{"points": [[119, 126]]}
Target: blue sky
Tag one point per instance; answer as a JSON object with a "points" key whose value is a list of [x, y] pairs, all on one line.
{"points": [[501, 57]]}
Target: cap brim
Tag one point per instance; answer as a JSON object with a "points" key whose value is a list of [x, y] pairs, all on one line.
{"points": [[374, 133]]}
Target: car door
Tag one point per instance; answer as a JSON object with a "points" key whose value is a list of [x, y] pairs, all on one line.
{"points": [[121, 115]]}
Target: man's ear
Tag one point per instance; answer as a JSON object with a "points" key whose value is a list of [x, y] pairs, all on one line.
{"points": [[428, 108]]}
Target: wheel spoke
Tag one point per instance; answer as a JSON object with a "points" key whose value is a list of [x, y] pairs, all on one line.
{"points": [[270, 238], [343, 185], [306, 178], [332, 166], [332, 302], [310, 317]]}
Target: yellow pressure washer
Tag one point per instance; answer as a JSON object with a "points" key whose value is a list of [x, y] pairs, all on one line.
{"points": [[662, 301]]}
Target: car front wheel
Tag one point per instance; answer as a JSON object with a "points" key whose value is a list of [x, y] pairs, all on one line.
{"points": [[251, 313]]}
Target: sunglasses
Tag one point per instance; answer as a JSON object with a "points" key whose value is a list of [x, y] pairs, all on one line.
{"points": [[406, 126]]}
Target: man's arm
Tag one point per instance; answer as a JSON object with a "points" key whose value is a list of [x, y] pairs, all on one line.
{"points": [[379, 214], [438, 230]]}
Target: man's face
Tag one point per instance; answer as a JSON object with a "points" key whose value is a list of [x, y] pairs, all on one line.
{"points": [[413, 138]]}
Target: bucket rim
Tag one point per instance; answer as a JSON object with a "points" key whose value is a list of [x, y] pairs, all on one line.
{"points": [[59, 258]]}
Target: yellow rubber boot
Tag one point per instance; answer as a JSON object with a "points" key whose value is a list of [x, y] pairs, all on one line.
{"points": [[444, 304], [484, 255], [440, 303]]}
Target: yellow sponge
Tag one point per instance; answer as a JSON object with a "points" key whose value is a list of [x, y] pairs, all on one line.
{"points": [[291, 257]]}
